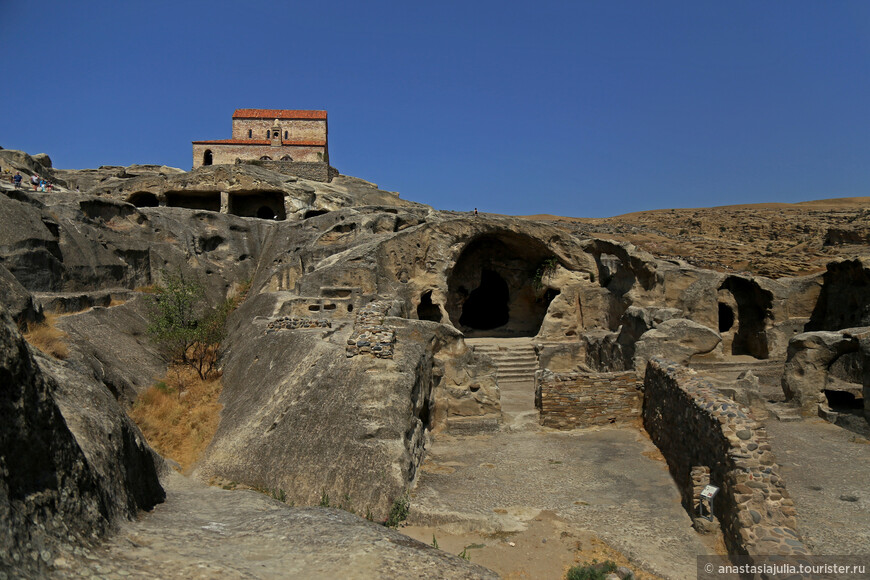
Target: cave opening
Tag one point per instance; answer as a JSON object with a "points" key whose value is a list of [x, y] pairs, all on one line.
{"points": [[204, 200], [143, 199], [487, 305], [844, 401], [494, 287], [427, 310], [726, 317], [267, 205], [266, 213], [753, 312]]}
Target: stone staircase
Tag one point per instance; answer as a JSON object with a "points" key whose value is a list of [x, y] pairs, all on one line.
{"points": [[514, 358]]}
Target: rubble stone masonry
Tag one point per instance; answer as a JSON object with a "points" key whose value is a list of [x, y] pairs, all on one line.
{"points": [[570, 400], [696, 427]]}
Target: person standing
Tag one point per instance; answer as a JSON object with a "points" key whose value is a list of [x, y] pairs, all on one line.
{"points": [[17, 180], [34, 181]]}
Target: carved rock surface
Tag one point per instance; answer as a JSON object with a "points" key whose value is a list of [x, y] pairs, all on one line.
{"points": [[676, 340], [810, 355]]}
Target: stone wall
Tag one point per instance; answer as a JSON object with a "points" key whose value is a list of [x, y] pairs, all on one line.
{"points": [[297, 129], [223, 153], [312, 171], [695, 427], [570, 400]]}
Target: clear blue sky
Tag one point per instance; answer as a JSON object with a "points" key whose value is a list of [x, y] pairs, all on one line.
{"points": [[584, 108]]}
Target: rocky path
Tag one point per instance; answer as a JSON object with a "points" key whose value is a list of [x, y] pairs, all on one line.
{"points": [[607, 481], [826, 469], [204, 532]]}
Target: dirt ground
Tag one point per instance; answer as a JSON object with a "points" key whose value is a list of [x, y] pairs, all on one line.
{"points": [[826, 470], [560, 497]]}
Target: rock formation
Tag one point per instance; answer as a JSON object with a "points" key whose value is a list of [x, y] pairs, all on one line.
{"points": [[350, 350], [72, 462]]}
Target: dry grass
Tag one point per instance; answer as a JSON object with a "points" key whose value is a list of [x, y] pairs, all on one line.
{"points": [[47, 337], [179, 415]]}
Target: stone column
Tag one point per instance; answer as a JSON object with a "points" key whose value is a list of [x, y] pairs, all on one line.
{"points": [[225, 202]]}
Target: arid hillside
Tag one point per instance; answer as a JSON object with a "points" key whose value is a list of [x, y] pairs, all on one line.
{"points": [[769, 239]]}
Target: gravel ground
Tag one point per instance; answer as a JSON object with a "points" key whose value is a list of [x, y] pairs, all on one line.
{"points": [[826, 469]]}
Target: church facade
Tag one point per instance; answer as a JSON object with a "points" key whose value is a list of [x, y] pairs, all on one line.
{"points": [[268, 135]]}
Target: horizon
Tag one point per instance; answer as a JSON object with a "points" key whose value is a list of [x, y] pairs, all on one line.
{"points": [[558, 109]]}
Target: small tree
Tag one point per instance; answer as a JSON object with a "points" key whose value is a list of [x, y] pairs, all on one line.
{"points": [[184, 326]]}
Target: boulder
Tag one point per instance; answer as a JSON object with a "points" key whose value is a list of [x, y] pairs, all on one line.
{"points": [[43, 159], [71, 463], [304, 415], [676, 340], [17, 301], [114, 347], [745, 390], [810, 366], [810, 355]]}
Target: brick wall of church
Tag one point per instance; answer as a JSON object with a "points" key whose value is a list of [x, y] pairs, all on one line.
{"points": [[297, 129], [224, 153]]}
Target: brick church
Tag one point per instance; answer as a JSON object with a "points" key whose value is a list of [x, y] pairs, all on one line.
{"points": [[268, 135]]}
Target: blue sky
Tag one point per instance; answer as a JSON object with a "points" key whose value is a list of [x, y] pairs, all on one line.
{"points": [[582, 108]]}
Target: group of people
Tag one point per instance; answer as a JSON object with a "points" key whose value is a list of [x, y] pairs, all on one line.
{"points": [[38, 183]]}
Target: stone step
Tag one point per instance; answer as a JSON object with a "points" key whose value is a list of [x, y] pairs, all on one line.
{"points": [[784, 413], [517, 368], [524, 375], [510, 357], [514, 362], [472, 425]]}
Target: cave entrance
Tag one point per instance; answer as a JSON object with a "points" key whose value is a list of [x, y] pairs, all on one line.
{"points": [[493, 289], [267, 205], [207, 200], [726, 317], [427, 310], [487, 305], [143, 199], [753, 311]]}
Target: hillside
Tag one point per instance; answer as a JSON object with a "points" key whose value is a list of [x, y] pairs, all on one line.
{"points": [[768, 239]]}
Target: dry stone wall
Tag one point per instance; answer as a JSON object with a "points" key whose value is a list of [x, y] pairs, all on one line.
{"points": [[369, 333], [696, 427], [310, 170], [570, 400]]}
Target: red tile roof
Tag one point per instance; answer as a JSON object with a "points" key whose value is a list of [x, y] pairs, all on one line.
{"points": [[277, 114], [259, 142]]}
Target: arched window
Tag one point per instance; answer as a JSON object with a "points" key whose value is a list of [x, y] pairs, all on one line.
{"points": [[250, 133], [267, 133], [285, 135], [207, 157], [277, 133], [286, 158], [265, 158]]}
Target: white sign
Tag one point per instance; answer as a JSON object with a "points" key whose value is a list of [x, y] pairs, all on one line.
{"points": [[709, 492]]}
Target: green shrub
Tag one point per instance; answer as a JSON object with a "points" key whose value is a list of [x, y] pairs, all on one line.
{"points": [[593, 571], [324, 499], [183, 325], [399, 512], [546, 268]]}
